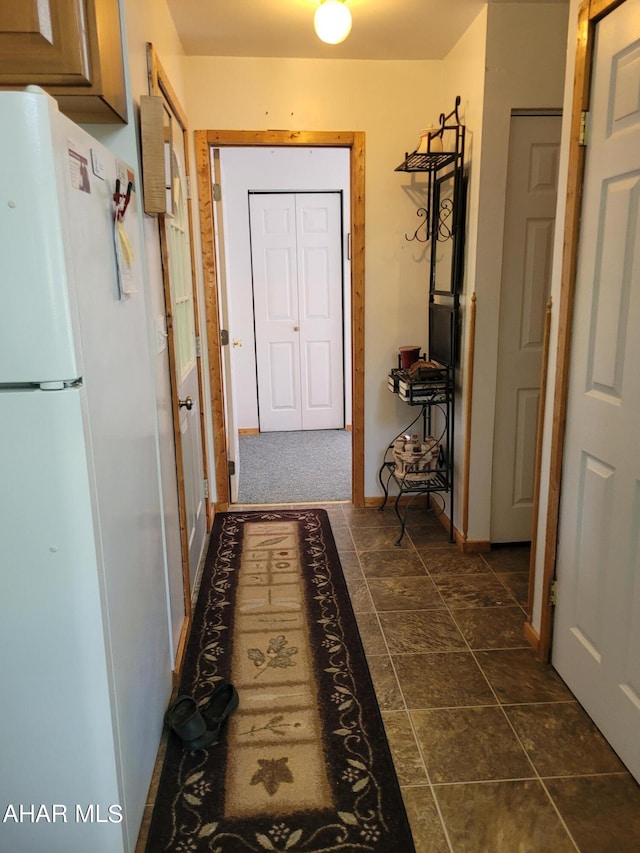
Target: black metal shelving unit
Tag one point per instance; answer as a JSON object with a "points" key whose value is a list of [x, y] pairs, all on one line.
{"points": [[431, 385], [419, 461]]}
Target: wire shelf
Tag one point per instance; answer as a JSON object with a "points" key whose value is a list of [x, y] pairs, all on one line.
{"points": [[429, 162]]}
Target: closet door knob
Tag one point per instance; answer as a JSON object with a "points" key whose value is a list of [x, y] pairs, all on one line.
{"points": [[296, 328]]}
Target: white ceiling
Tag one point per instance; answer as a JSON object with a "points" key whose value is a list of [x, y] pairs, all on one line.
{"points": [[382, 29]]}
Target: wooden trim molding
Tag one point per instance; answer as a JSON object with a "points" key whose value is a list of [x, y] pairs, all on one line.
{"points": [[472, 546], [185, 633], [538, 460], [531, 636], [212, 309], [467, 419], [355, 141], [589, 13]]}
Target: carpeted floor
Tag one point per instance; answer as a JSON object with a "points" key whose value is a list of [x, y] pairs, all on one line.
{"points": [[305, 766], [294, 467]]}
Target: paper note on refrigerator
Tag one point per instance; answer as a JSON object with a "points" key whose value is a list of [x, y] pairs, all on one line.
{"points": [[125, 257]]}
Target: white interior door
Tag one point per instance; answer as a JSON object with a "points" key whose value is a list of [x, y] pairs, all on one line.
{"points": [[597, 621], [296, 252], [532, 186], [180, 280]]}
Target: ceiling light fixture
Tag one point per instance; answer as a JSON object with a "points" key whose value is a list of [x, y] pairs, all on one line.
{"points": [[332, 21]]}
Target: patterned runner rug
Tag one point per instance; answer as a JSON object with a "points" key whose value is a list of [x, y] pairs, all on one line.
{"points": [[304, 766]]}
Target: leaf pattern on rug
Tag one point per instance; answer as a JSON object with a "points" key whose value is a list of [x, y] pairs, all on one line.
{"points": [[275, 726], [269, 543], [272, 773], [277, 655]]}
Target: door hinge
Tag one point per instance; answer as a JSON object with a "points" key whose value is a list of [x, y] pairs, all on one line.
{"points": [[232, 467], [553, 593], [188, 177], [584, 126], [205, 488], [224, 337], [217, 192], [198, 347]]}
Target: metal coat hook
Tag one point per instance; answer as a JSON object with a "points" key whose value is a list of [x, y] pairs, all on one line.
{"points": [[422, 211]]}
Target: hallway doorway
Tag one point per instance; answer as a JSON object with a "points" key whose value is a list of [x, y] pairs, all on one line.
{"points": [[225, 425]]}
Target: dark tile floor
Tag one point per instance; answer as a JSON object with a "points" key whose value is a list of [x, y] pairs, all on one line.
{"points": [[492, 752]]}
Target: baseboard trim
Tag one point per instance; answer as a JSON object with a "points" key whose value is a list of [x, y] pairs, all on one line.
{"points": [[467, 546], [185, 633], [532, 636], [472, 546], [249, 431], [372, 501]]}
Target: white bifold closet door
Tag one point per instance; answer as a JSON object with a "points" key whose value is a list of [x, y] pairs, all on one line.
{"points": [[296, 253]]}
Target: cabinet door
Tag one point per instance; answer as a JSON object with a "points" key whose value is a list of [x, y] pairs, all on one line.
{"points": [[72, 48], [43, 42]]}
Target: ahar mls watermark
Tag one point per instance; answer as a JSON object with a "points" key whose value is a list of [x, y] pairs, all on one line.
{"points": [[59, 813]]}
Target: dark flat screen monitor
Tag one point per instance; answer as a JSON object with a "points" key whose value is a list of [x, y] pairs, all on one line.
{"points": [[442, 333]]}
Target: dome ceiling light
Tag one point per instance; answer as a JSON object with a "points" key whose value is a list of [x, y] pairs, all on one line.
{"points": [[332, 21]]}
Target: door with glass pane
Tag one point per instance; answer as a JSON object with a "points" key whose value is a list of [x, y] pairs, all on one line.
{"points": [[181, 316]]}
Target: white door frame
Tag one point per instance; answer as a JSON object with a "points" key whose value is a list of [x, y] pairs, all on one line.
{"points": [[354, 141]]}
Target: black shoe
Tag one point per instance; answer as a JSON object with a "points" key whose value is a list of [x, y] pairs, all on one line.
{"points": [[222, 703], [184, 717]]}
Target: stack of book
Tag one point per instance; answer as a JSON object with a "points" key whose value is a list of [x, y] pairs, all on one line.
{"points": [[424, 382]]}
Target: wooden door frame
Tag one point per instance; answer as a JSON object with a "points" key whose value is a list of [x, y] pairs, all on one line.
{"points": [[159, 84], [354, 141], [590, 14]]}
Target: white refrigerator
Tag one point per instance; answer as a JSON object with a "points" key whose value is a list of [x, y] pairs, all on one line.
{"points": [[84, 652]]}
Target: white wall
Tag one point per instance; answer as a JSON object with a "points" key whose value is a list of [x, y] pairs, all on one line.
{"points": [[390, 101], [464, 75], [142, 21], [274, 169], [149, 21], [556, 277]]}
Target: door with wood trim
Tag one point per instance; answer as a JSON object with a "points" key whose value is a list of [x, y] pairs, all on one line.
{"points": [[296, 252], [597, 620], [181, 315], [185, 367], [532, 187]]}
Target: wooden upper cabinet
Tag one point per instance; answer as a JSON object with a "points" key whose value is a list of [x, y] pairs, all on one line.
{"points": [[72, 48]]}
